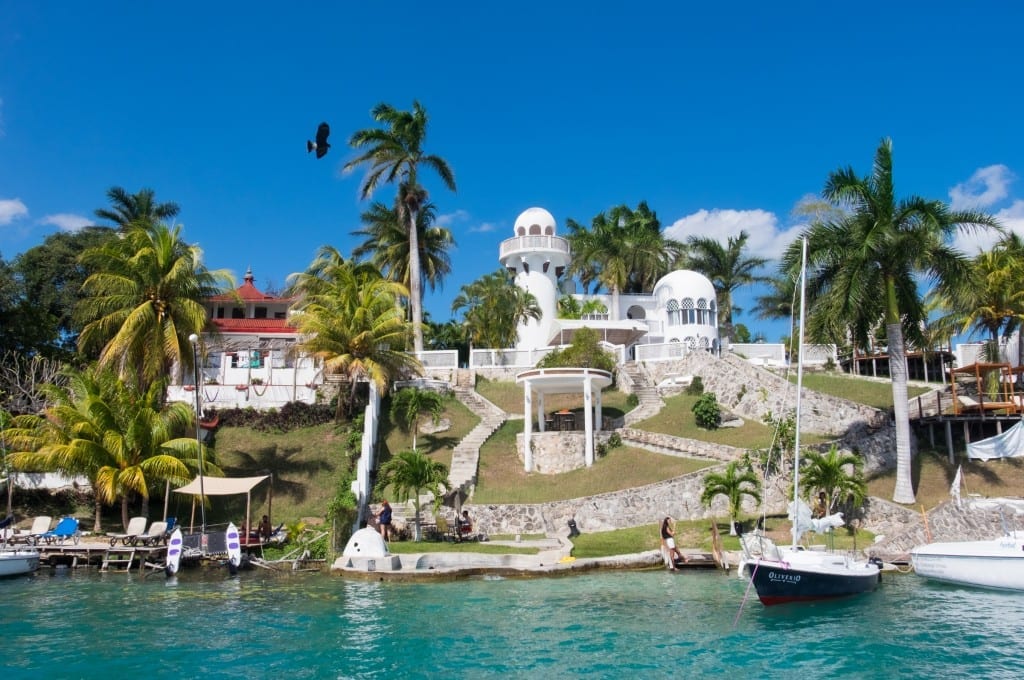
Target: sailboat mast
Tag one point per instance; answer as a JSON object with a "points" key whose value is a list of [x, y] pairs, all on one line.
{"points": [[799, 379]]}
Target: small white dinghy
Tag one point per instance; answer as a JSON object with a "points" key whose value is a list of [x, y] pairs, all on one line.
{"points": [[173, 553], [995, 563]]}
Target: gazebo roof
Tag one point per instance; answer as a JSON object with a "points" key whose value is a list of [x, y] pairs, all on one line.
{"points": [[564, 380]]}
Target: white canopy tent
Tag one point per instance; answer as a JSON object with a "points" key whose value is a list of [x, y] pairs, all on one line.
{"points": [[223, 486]]}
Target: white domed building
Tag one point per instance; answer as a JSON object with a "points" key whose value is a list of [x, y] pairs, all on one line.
{"points": [[681, 309]]}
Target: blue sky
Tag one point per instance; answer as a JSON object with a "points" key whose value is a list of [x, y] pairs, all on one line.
{"points": [[721, 117]]}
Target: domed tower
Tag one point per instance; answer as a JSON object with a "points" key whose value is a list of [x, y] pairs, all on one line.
{"points": [[537, 258]]}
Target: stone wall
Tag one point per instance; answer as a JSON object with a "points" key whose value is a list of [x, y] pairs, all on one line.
{"points": [[679, 446], [555, 452]]}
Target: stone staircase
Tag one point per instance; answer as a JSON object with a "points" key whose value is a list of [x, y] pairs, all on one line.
{"points": [[650, 401], [466, 455]]}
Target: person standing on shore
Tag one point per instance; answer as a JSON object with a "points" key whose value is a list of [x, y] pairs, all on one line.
{"points": [[668, 541], [384, 520]]}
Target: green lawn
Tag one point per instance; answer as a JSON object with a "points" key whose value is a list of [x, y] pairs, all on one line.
{"points": [[502, 479], [439, 445], [875, 393]]}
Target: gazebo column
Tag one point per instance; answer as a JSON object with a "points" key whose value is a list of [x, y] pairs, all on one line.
{"points": [[540, 412], [527, 426], [588, 421], [599, 424]]}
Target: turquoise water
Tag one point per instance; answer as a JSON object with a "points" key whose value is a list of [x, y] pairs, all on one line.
{"points": [[599, 625]]}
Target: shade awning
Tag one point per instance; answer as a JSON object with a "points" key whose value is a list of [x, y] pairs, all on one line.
{"points": [[222, 486]]}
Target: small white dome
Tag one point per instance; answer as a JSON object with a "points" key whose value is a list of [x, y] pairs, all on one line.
{"points": [[366, 543], [684, 283], [535, 221]]}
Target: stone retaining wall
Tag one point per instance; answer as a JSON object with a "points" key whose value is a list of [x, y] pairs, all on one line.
{"points": [[975, 520]]}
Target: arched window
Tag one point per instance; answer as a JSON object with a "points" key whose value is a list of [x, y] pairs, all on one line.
{"points": [[702, 312], [521, 231], [704, 343], [688, 313], [714, 314], [534, 230], [673, 313], [549, 230], [691, 343]]}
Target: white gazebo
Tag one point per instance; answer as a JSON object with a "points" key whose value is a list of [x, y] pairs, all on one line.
{"points": [[541, 381]]}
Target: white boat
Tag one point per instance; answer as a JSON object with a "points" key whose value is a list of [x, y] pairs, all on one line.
{"points": [[792, 573], [18, 561], [995, 563]]}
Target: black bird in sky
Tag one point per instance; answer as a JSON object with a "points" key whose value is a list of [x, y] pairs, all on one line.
{"points": [[320, 144]]}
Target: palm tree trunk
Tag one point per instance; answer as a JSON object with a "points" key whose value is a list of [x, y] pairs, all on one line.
{"points": [[98, 509], [415, 285], [124, 511], [416, 504], [904, 491]]}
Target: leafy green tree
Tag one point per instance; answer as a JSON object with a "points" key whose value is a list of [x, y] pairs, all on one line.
{"points": [[118, 436], [870, 260], [839, 475], [741, 333], [707, 412], [409, 404], [734, 484], [728, 268], [394, 153], [386, 244], [145, 298], [408, 474], [493, 307], [349, 318], [584, 352]]}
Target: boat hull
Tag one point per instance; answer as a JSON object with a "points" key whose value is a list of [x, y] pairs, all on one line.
{"points": [[780, 583], [18, 562], [997, 563]]}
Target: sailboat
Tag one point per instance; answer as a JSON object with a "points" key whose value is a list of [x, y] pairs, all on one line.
{"points": [[793, 574]]}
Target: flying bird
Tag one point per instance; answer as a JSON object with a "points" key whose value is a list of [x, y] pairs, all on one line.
{"points": [[320, 144]]}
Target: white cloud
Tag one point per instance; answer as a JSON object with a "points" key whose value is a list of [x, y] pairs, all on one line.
{"points": [[484, 227], [766, 237], [449, 219], [986, 187], [67, 221], [1012, 219], [11, 209]]}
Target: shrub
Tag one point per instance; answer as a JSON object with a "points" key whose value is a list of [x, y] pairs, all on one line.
{"points": [[632, 401], [696, 387], [291, 416], [707, 412], [585, 351]]}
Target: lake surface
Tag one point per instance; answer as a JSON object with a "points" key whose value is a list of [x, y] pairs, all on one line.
{"points": [[599, 625]]}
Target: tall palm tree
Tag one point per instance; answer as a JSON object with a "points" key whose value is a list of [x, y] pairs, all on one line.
{"points": [[728, 268], [624, 250], [387, 244], [734, 485], [869, 260], [408, 474], [493, 307], [837, 474], [408, 405], [143, 300], [394, 153], [138, 208], [118, 436], [348, 316]]}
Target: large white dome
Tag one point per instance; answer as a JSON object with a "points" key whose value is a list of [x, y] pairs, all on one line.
{"points": [[535, 221]]}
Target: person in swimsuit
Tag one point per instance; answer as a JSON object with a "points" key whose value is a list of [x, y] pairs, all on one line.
{"points": [[384, 519], [668, 542]]}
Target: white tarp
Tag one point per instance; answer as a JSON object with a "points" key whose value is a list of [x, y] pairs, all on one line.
{"points": [[221, 486], [800, 515], [1009, 444]]}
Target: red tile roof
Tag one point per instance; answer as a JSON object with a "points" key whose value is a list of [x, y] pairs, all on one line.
{"points": [[253, 326]]}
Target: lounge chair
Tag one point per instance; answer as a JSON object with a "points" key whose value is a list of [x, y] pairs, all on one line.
{"points": [[157, 533], [136, 527], [66, 528], [40, 525]]}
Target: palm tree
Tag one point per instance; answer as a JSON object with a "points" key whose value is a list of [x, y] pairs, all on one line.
{"points": [[387, 244], [118, 436], [828, 472], [728, 268], [144, 298], [137, 209], [349, 318], [734, 485], [868, 261], [394, 153], [410, 403], [410, 473], [624, 251], [494, 307]]}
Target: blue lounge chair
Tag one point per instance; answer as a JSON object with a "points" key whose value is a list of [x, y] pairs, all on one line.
{"points": [[67, 528]]}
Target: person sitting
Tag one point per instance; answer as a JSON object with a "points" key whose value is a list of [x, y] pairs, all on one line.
{"points": [[465, 526], [264, 529]]}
